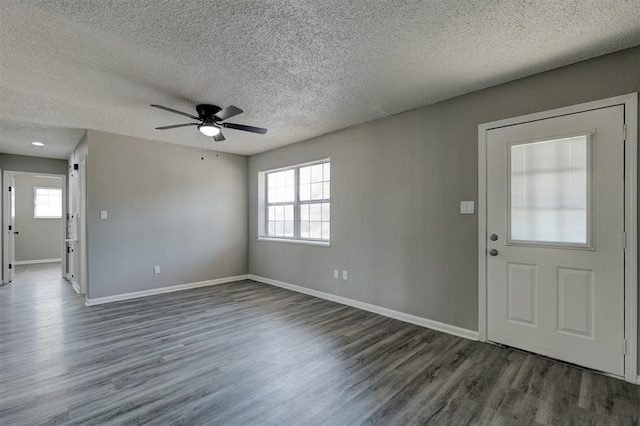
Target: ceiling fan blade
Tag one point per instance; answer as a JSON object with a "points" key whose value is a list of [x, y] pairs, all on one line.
{"points": [[228, 112], [175, 111], [219, 137], [175, 126], [245, 128]]}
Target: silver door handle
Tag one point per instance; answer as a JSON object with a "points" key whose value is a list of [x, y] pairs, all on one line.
{"points": [[493, 252]]}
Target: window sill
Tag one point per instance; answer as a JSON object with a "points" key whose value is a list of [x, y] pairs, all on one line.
{"points": [[290, 241]]}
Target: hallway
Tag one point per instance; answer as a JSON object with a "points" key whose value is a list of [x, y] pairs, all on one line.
{"points": [[37, 282]]}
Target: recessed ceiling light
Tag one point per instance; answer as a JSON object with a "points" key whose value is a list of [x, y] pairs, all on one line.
{"points": [[37, 144]]}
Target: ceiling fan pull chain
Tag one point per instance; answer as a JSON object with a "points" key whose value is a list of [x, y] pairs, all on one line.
{"points": [[202, 150]]}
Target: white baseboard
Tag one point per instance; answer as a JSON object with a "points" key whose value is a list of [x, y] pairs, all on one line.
{"points": [[34, 262], [161, 290], [424, 322]]}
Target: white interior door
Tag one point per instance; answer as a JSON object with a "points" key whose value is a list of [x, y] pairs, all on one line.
{"points": [[555, 226], [11, 229], [71, 232], [81, 226]]}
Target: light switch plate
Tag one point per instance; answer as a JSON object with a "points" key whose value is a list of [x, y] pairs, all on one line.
{"points": [[103, 214], [467, 207]]}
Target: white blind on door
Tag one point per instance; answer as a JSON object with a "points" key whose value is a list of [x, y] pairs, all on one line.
{"points": [[549, 191]]}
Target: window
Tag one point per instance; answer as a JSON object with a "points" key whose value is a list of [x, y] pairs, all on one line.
{"points": [[297, 202], [550, 191], [47, 203]]}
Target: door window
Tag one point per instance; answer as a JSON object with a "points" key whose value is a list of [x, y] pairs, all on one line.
{"points": [[549, 186]]}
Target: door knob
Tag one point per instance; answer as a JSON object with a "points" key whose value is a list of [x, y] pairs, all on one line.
{"points": [[493, 252], [16, 232], [494, 237]]}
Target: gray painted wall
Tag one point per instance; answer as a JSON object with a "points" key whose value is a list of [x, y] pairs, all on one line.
{"points": [[396, 188], [165, 207], [80, 151], [38, 238], [23, 163]]}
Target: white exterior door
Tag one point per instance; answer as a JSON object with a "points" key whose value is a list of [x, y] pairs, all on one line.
{"points": [[555, 224]]}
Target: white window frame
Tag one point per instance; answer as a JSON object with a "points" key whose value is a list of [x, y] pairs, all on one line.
{"points": [[35, 202], [589, 244], [262, 206]]}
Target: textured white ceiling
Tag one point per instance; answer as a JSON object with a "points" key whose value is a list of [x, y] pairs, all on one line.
{"points": [[298, 67], [16, 138]]}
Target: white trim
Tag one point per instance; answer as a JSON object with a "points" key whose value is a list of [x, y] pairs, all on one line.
{"points": [[572, 109], [33, 262], [631, 230], [74, 283], [293, 166], [75, 286], [81, 224], [6, 217], [293, 241], [162, 290], [401, 316], [263, 204], [482, 233], [630, 102], [35, 200], [589, 136]]}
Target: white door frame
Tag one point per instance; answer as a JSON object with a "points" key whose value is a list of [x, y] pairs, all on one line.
{"points": [[630, 103], [6, 217], [82, 226]]}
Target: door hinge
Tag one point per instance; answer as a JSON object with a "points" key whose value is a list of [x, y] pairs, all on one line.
{"points": [[9, 189], [624, 347], [624, 132], [10, 266], [624, 240], [10, 228]]}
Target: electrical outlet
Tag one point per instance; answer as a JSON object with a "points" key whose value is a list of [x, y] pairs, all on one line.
{"points": [[345, 275], [156, 270], [336, 275], [103, 214]]}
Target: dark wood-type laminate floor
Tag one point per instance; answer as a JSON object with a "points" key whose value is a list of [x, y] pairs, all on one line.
{"points": [[249, 353]]}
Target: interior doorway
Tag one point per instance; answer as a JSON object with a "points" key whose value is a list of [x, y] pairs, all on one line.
{"points": [[34, 216]]}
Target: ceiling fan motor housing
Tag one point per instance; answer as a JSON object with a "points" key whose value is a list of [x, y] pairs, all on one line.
{"points": [[206, 112]]}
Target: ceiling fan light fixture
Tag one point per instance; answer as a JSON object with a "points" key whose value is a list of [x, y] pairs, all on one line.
{"points": [[38, 144], [209, 129]]}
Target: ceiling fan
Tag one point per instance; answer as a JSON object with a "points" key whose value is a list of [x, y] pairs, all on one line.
{"points": [[211, 119]]}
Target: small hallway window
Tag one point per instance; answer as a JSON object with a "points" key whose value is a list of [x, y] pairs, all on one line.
{"points": [[47, 203]]}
